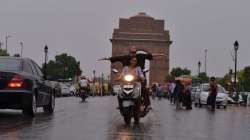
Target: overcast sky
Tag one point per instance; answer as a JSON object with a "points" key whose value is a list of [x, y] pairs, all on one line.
{"points": [[82, 28]]}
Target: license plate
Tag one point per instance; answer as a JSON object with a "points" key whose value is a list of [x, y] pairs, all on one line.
{"points": [[127, 103], [128, 86]]}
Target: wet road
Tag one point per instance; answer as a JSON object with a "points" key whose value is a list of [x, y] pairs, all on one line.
{"points": [[98, 119]]}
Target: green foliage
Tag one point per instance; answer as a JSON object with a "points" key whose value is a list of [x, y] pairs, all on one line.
{"points": [[243, 77], [63, 67], [246, 80], [169, 78], [176, 72], [203, 77], [224, 81], [3, 52]]}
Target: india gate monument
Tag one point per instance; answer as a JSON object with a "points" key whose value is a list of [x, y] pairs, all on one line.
{"points": [[145, 33]]}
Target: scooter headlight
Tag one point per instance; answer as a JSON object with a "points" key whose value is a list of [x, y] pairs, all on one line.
{"points": [[129, 78]]}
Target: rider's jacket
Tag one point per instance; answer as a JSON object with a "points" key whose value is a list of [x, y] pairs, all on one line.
{"points": [[124, 59], [83, 83]]}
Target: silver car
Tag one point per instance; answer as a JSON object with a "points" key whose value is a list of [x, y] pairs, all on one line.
{"points": [[201, 98]]}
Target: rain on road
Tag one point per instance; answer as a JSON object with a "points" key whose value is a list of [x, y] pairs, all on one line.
{"points": [[98, 119]]}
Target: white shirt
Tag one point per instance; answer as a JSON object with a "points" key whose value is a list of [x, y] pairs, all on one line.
{"points": [[83, 83]]}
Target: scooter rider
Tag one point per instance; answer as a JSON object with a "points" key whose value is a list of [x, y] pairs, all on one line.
{"points": [[132, 69], [84, 84], [141, 58]]}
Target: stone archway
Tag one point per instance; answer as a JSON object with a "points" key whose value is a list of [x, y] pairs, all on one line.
{"points": [[146, 33]]}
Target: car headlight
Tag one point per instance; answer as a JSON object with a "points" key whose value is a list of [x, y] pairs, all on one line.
{"points": [[129, 78]]}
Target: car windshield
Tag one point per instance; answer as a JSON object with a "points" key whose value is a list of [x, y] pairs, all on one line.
{"points": [[220, 89], [10, 64]]}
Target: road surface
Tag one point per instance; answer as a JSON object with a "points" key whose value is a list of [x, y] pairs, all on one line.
{"points": [[98, 119]]}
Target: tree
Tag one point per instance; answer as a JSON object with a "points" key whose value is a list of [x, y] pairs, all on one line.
{"points": [[3, 52], [203, 77], [63, 67], [224, 81], [169, 78], [176, 72], [246, 80]]}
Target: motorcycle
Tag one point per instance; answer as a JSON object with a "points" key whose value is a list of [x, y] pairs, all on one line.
{"points": [[130, 99], [83, 94]]}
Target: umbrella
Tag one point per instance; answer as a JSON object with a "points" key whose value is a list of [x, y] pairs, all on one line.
{"points": [[184, 79]]}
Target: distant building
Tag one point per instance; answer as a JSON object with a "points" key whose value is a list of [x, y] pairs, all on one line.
{"points": [[145, 33]]}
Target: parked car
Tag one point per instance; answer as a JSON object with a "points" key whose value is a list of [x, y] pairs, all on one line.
{"points": [[22, 86], [65, 89], [72, 90], [116, 89], [201, 98], [57, 88], [194, 92]]}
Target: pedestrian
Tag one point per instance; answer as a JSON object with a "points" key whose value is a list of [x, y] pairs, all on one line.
{"points": [[212, 93], [178, 92], [153, 88], [171, 92], [187, 101], [159, 91]]}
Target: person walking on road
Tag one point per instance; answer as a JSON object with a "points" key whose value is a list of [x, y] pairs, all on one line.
{"points": [[212, 93], [171, 92], [178, 92], [187, 101], [153, 88]]}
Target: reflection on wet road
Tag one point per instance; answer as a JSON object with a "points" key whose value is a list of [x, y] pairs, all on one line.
{"points": [[98, 119]]}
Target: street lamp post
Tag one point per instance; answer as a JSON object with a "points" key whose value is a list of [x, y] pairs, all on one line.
{"points": [[21, 43], [45, 61], [102, 84], [94, 76], [206, 61], [231, 85], [236, 47], [1, 43], [6, 42], [199, 68]]}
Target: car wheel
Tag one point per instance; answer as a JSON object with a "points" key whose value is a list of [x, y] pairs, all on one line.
{"points": [[31, 109], [51, 106], [225, 107]]}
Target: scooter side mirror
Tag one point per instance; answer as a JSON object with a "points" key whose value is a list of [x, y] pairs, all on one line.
{"points": [[115, 71], [145, 71]]}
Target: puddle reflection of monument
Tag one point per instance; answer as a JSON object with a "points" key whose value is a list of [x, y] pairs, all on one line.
{"points": [[145, 33]]}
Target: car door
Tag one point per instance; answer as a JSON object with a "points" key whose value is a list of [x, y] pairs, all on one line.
{"points": [[43, 91]]}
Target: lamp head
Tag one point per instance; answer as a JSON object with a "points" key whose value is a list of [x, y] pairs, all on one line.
{"points": [[46, 49]]}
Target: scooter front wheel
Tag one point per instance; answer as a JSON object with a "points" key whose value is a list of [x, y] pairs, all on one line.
{"points": [[127, 119]]}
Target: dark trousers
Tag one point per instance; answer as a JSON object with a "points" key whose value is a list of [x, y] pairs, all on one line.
{"points": [[187, 101], [211, 100], [172, 98], [145, 95]]}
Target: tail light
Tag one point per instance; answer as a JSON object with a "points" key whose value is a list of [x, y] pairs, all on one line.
{"points": [[17, 81]]}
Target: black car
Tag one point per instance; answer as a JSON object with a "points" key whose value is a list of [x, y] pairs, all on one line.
{"points": [[22, 86]]}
